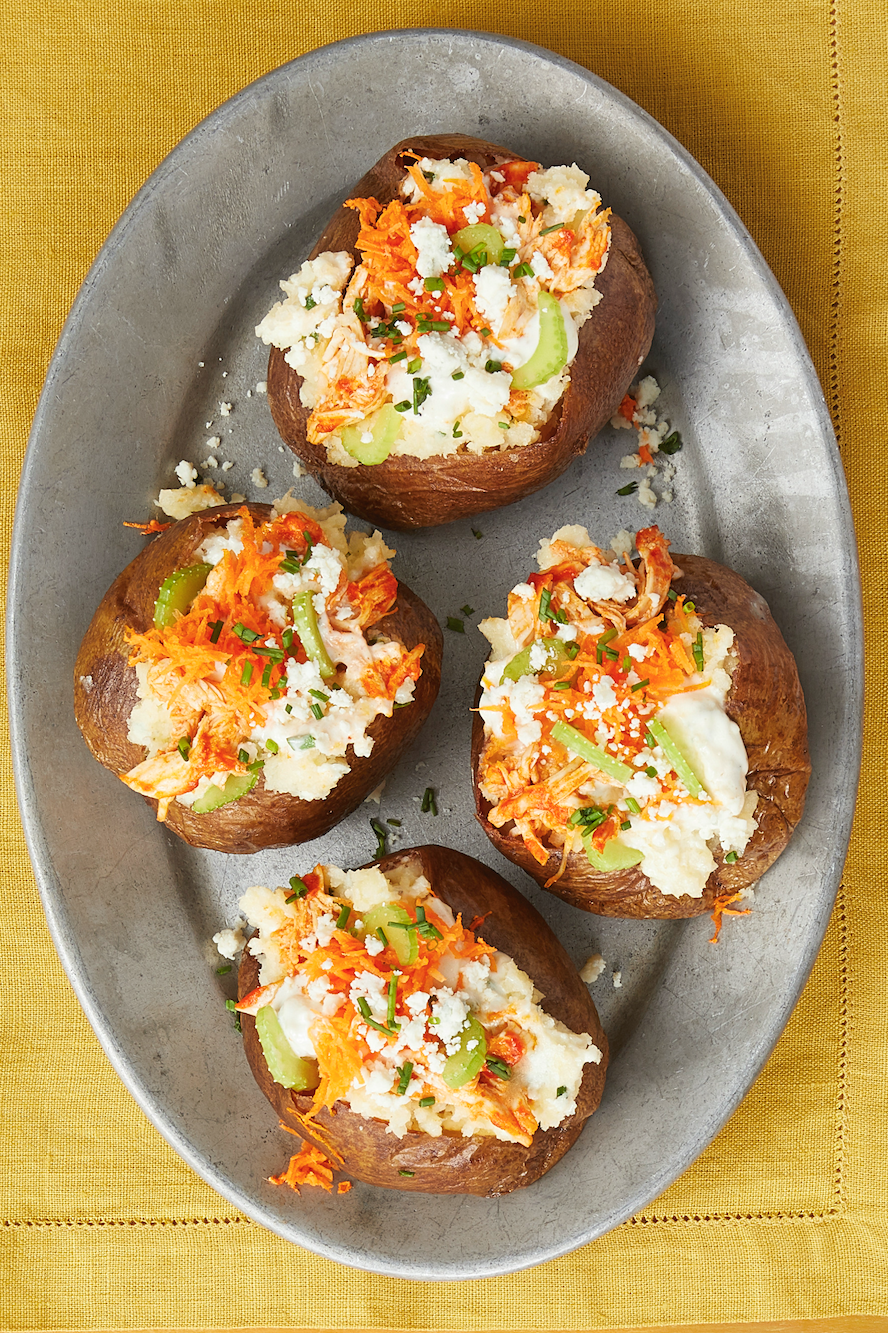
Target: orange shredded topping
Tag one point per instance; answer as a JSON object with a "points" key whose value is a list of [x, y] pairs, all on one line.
{"points": [[148, 529], [310, 1166]]}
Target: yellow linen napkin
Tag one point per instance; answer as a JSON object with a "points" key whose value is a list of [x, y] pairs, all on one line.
{"points": [[783, 1216]]}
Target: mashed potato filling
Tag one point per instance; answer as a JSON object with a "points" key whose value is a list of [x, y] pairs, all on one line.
{"points": [[442, 308], [270, 670], [385, 1030], [604, 712]]}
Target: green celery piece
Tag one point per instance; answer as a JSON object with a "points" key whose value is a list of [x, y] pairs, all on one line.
{"points": [[551, 351], [556, 653], [469, 238], [676, 757], [177, 592], [236, 785], [384, 426], [615, 855], [404, 942], [285, 1066], [465, 1064], [305, 622], [578, 744]]}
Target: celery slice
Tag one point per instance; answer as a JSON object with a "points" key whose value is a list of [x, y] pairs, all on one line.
{"points": [[177, 592], [551, 351], [556, 653], [461, 1067], [384, 426], [677, 758], [578, 744], [393, 919], [305, 622], [235, 786], [285, 1066], [483, 235]]}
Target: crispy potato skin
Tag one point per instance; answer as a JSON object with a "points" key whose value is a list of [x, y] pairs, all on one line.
{"points": [[260, 819], [765, 701], [404, 492], [453, 1164]]}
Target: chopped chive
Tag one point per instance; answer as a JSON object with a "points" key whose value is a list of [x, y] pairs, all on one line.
{"points": [[498, 1067], [359, 310], [627, 490], [493, 366], [421, 391], [573, 650], [380, 831], [299, 887], [399, 356], [611, 654], [521, 219], [404, 1071], [317, 711], [640, 685], [272, 746], [731, 858], [223, 970], [627, 823], [216, 630], [545, 600], [243, 756], [414, 365], [403, 406], [672, 594], [395, 823], [458, 375], [288, 708], [467, 610], [469, 263], [504, 425], [319, 694], [287, 638], [381, 935], [562, 1090], [507, 255], [342, 919], [434, 284], [561, 685], [607, 636], [627, 663], [247, 674], [426, 1101], [522, 271], [369, 1019], [671, 444], [392, 997], [428, 802], [266, 677], [457, 433], [310, 302], [246, 635], [184, 747], [231, 1006], [398, 307], [651, 771], [632, 805], [556, 227], [430, 176], [476, 534], [698, 651], [690, 606], [402, 1170], [454, 623]]}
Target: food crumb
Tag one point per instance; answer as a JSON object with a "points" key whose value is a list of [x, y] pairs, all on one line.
{"points": [[214, 441], [258, 478], [186, 474], [656, 443], [592, 969], [212, 461], [262, 386], [618, 980], [227, 465], [230, 941], [225, 409], [298, 469]]}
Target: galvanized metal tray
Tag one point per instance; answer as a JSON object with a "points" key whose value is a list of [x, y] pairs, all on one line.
{"points": [[160, 335]]}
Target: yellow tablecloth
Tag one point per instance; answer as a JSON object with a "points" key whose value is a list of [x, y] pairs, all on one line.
{"points": [[784, 1216]]}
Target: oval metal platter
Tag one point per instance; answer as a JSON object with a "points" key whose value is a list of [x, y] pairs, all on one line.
{"points": [[160, 335]]}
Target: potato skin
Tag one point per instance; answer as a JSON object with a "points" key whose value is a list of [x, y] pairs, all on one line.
{"points": [[453, 1164], [765, 701], [405, 493], [259, 819]]}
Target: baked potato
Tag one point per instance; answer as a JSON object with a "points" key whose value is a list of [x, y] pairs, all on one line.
{"points": [[640, 747], [255, 674], [510, 314], [407, 1048]]}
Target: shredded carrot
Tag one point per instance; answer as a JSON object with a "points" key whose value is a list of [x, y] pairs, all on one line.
{"points": [[148, 529], [721, 908], [309, 1166]]}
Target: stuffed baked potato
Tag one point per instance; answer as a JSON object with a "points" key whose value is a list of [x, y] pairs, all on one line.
{"points": [[640, 747], [255, 674], [465, 323], [408, 1049]]}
